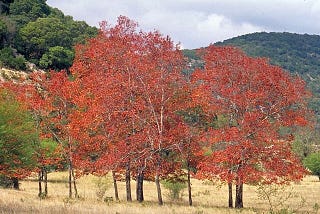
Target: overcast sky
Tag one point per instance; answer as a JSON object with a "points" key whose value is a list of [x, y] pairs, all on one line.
{"points": [[197, 23]]}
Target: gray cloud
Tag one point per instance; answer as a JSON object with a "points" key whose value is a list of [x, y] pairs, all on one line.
{"points": [[197, 23]]}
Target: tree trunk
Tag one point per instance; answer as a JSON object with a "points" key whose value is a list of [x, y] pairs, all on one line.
{"points": [[116, 194], [230, 195], [139, 192], [70, 180], [74, 183], [15, 182], [43, 179], [157, 181], [189, 185], [239, 195], [128, 184], [45, 182], [40, 183]]}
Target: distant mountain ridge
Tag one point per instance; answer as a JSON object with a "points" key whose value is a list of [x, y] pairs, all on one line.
{"points": [[298, 53]]}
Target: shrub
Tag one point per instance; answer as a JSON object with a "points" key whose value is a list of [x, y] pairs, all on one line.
{"points": [[57, 58], [8, 59], [5, 182], [312, 162], [175, 188]]}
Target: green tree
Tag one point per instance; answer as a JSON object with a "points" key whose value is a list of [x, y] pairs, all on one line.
{"points": [[57, 58], [81, 31], [312, 162], [39, 36], [8, 59], [9, 31], [3, 32], [25, 11], [18, 139]]}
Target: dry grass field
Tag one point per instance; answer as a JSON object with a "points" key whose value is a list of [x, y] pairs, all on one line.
{"points": [[303, 197]]}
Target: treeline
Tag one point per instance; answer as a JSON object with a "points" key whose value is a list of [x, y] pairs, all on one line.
{"points": [[32, 31], [297, 53], [127, 109]]}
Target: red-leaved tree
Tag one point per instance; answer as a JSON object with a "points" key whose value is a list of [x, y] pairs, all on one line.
{"points": [[256, 101], [129, 82]]}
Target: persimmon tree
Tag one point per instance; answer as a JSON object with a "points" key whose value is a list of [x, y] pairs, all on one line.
{"points": [[104, 69], [161, 81], [61, 91], [256, 100], [129, 81], [50, 99]]}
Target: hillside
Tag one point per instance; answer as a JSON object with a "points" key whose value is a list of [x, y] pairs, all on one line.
{"points": [[32, 31], [296, 53], [299, 54]]}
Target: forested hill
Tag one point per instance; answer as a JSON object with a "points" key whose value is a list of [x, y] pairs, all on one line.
{"points": [[32, 31], [296, 53]]}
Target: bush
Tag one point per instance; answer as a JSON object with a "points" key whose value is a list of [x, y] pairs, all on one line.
{"points": [[175, 188], [57, 58], [5, 182], [8, 59], [312, 162]]}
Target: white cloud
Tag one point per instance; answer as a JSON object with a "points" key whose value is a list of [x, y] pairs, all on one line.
{"points": [[217, 28], [198, 23]]}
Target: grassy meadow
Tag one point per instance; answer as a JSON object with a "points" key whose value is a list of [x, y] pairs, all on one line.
{"points": [[303, 197]]}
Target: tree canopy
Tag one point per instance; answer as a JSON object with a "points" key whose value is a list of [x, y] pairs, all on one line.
{"points": [[31, 28], [18, 137], [298, 54]]}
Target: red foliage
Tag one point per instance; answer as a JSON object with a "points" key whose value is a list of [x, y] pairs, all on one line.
{"points": [[257, 99], [129, 83]]}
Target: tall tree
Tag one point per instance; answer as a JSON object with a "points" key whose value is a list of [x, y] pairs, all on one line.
{"points": [[130, 81], [258, 100], [50, 99]]}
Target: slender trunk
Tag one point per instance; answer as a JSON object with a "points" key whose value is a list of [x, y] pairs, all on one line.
{"points": [[45, 182], [139, 190], [71, 171], [15, 183], [74, 183], [70, 180], [116, 194], [230, 195], [40, 183], [157, 181], [239, 195], [189, 185], [128, 182]]}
